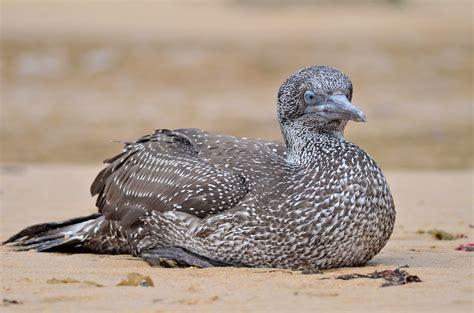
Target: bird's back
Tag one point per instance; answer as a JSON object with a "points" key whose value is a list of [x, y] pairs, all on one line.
{"points": [[186, 170]]}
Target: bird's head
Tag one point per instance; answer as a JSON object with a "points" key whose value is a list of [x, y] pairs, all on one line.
{"points": [[318, 98]]}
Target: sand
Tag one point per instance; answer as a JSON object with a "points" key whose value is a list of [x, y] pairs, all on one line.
{"points": [[425, 200]]}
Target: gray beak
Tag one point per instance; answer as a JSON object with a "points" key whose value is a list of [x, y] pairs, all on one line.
{"points": [[337, 107]]}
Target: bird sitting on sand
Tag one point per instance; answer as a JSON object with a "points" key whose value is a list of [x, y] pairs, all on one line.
{"points": [[315, 202]]}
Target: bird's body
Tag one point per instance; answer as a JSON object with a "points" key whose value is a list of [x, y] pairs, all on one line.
{"points": [[317, 201]]}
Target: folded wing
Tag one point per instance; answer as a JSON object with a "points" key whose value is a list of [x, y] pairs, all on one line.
{"points": [[163, 172]]}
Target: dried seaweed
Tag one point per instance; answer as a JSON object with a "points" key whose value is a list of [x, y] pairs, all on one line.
{"points": [[92, 283], [7, 302], [392, 277], [466, 247], [441, 234], [68, 280], [55, 281], [135, 279]]}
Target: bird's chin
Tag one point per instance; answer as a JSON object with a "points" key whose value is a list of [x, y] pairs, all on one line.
{"points": [[316, 122]]}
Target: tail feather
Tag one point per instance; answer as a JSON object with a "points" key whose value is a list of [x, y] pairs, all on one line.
{"points": [[47, 245], [51, 236]]}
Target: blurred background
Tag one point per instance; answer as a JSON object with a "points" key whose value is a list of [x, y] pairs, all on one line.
{"points": [[76, 75]]}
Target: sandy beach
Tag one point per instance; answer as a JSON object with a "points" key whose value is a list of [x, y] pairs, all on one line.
{"points": [[425, 200]]}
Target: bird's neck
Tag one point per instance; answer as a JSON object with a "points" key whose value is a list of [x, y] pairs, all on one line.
{"points": [[304, 146]]}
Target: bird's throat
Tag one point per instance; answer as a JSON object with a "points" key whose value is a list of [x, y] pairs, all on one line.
{"points": [[305, 146]]}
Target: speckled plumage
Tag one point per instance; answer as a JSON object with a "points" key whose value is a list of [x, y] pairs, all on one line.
{"points": [[317, 201]]}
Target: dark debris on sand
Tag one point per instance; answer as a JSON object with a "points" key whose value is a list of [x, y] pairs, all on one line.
{"points": [[441, 234], [392, 277], [7, 302], [469, 247], [135, 279]]}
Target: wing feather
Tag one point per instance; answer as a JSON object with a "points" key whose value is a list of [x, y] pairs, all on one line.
{"points": [[163, 172]]}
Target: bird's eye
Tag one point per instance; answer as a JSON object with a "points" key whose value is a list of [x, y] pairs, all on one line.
{"points": [[310, 97]]}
